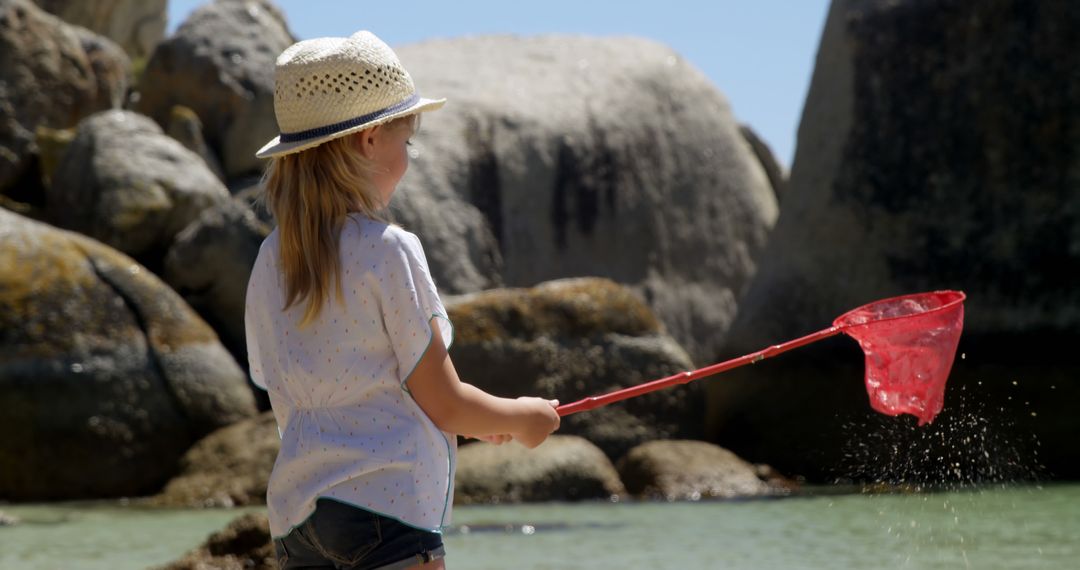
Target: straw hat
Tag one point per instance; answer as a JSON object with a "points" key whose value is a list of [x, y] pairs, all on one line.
{"points": [[327, 88]]}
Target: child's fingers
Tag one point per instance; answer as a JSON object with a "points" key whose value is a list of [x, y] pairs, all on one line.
{"points": [[554, 403]]}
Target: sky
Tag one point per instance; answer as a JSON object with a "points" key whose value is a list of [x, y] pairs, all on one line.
{"points": [[759, 53]]}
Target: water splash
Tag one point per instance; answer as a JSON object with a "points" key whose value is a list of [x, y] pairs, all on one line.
{"points": [[971, 443], [973, 446]]}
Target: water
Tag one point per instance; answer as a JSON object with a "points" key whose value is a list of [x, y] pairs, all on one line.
{"points": [[999, 527], [971, 443]]}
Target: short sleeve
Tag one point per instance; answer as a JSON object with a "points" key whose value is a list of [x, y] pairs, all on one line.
{"points": [[410, 301]]}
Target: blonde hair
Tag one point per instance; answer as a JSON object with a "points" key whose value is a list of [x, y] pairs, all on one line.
{"points": [[310, 193]]}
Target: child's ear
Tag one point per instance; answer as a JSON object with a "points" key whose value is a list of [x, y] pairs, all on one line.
{"points": [[365, 141]]}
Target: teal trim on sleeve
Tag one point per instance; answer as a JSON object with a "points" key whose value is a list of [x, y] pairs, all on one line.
{"points": [[449, 449], [449, 480], [431, 336]]}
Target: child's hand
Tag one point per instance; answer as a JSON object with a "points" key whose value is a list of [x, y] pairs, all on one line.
{"points": [[539, 419]]}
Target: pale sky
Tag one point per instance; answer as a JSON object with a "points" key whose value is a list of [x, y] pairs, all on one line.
{"points": [[759, 53]]}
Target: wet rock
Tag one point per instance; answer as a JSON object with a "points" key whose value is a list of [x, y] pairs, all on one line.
{"points": [[54, 75], [230, 467], [937, 150], [8, 520], [573, 338], [569, 156], [245, 544], [690, 470], [563, 468], [209, 264], [135, 25], [124, 182], [106, 375], [220, 64]]}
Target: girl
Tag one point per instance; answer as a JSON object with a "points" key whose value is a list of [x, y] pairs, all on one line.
{"points": [[346, 331]]}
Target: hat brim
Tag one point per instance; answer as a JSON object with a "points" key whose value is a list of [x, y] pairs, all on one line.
{"points": [[277, 148]]}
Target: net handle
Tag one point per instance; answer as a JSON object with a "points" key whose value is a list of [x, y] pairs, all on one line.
{"points": [[593, 402]]}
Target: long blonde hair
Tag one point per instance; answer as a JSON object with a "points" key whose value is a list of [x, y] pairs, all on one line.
{"points": [[310, 193]]}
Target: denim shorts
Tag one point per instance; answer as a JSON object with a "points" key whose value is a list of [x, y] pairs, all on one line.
{"points": [[344, 537]]}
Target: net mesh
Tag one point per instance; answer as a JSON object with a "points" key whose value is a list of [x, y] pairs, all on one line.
{"points": [[910, 343]]}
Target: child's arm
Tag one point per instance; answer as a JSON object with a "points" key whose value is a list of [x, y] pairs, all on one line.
{"points": [[461, 408]]}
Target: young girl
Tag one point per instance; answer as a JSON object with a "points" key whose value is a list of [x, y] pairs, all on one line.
{"points": [[346, 331]]}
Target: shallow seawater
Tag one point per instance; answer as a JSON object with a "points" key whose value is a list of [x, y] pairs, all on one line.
{"points": [[986, 528]]}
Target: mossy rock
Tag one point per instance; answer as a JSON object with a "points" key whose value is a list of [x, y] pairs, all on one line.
{"points": [[573, 338], [245, 544], [54, 74], [570, 307], [230, 467], [106, 375]]}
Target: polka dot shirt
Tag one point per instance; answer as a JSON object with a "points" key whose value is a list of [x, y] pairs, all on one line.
{"points": [[349, 428]]}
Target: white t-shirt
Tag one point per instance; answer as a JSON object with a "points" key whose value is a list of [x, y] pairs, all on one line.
{"points": [[349, 428]]}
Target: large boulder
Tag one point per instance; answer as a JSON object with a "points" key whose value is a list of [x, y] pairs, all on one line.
{"points": [[106, 375], [573, 338], [563, 468], [230, 467], [682, 469], [53, 75], [209, 265], [566, 156], [124, 182], [937, 150], [220, 64], [136, 25]]}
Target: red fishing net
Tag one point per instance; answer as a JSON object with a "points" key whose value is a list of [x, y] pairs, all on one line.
{"points": [[910, 343]]}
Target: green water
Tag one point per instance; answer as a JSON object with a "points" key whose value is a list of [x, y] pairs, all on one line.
{"points": [[990, 528]]}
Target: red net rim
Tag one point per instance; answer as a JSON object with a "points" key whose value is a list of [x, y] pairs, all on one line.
{"points": [[955, 298]]}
